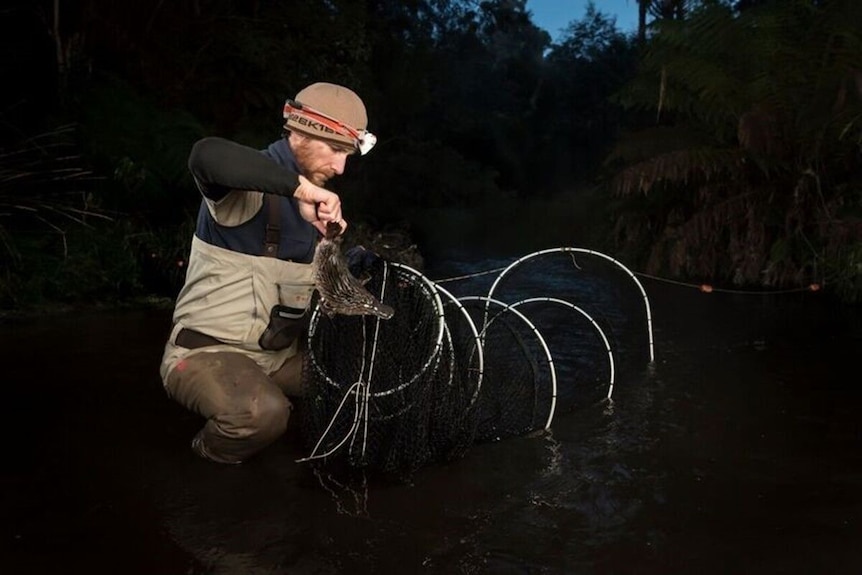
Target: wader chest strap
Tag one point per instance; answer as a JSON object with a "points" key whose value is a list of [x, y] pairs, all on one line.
{"points": [[273, 231]]}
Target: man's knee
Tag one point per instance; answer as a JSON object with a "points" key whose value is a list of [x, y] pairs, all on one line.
{"points": [[269, 413], [233, 437], [245, 410]]}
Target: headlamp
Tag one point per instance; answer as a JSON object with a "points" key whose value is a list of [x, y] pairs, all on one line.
{"points": [[363, 140], [367, 140]]}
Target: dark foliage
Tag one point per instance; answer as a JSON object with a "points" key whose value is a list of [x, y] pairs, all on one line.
{"points": [[475, 108], [750, 174]]}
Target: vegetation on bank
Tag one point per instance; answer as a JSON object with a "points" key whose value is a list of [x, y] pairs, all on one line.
{"points": [[720, 144]]}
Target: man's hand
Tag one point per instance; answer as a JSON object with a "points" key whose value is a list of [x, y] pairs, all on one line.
{"points": [[318, 205]]}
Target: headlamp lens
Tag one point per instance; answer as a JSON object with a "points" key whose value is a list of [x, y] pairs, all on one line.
{"points": [[367, 140]]}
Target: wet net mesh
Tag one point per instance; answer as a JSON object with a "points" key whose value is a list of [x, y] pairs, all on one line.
{"points": [[389, 395], [518, 388], [444, 373]]}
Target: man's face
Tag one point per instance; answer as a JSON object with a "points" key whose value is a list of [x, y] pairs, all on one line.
{"points": [[318, 160]]}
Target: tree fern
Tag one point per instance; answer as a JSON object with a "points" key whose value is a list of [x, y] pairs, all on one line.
{"points": [[765, 108]]}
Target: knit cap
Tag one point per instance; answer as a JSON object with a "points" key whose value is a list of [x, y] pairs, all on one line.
{"points": [[328, 112]]}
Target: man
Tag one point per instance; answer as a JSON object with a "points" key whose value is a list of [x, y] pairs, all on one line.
{"points": [[233, 353]]}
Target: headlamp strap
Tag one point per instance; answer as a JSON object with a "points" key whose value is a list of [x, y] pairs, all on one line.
{"points": [[364, 140]]}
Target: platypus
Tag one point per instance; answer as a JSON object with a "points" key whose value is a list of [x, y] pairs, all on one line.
{"points": [[340, 292]]}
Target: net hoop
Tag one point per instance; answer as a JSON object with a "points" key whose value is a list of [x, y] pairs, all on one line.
{"points": [[430, 361], [599, 330], [640, 287], [478, 349], [510, 308]]}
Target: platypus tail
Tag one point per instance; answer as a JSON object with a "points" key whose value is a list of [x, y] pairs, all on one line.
{"points": [[333, 231]]}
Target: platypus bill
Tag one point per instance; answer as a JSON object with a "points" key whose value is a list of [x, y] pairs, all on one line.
{"points": [[340, 292]]}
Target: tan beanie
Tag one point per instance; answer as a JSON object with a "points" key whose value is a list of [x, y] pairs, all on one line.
{"points": [[338, 103]]}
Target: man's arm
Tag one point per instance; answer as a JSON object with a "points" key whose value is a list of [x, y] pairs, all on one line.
{"points": [[219, 166]]}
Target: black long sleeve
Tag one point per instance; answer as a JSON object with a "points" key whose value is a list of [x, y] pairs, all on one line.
{"points": [[219, 166]]}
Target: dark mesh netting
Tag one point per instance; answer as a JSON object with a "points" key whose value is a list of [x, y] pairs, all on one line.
{"points": [[518, 386], [390, 395], [447, 372]]}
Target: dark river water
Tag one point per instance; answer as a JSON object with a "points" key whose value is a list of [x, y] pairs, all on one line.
{"points": [[736, 449]]}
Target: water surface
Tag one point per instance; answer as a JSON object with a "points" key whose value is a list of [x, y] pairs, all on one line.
{"points": [[737, 450]]}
